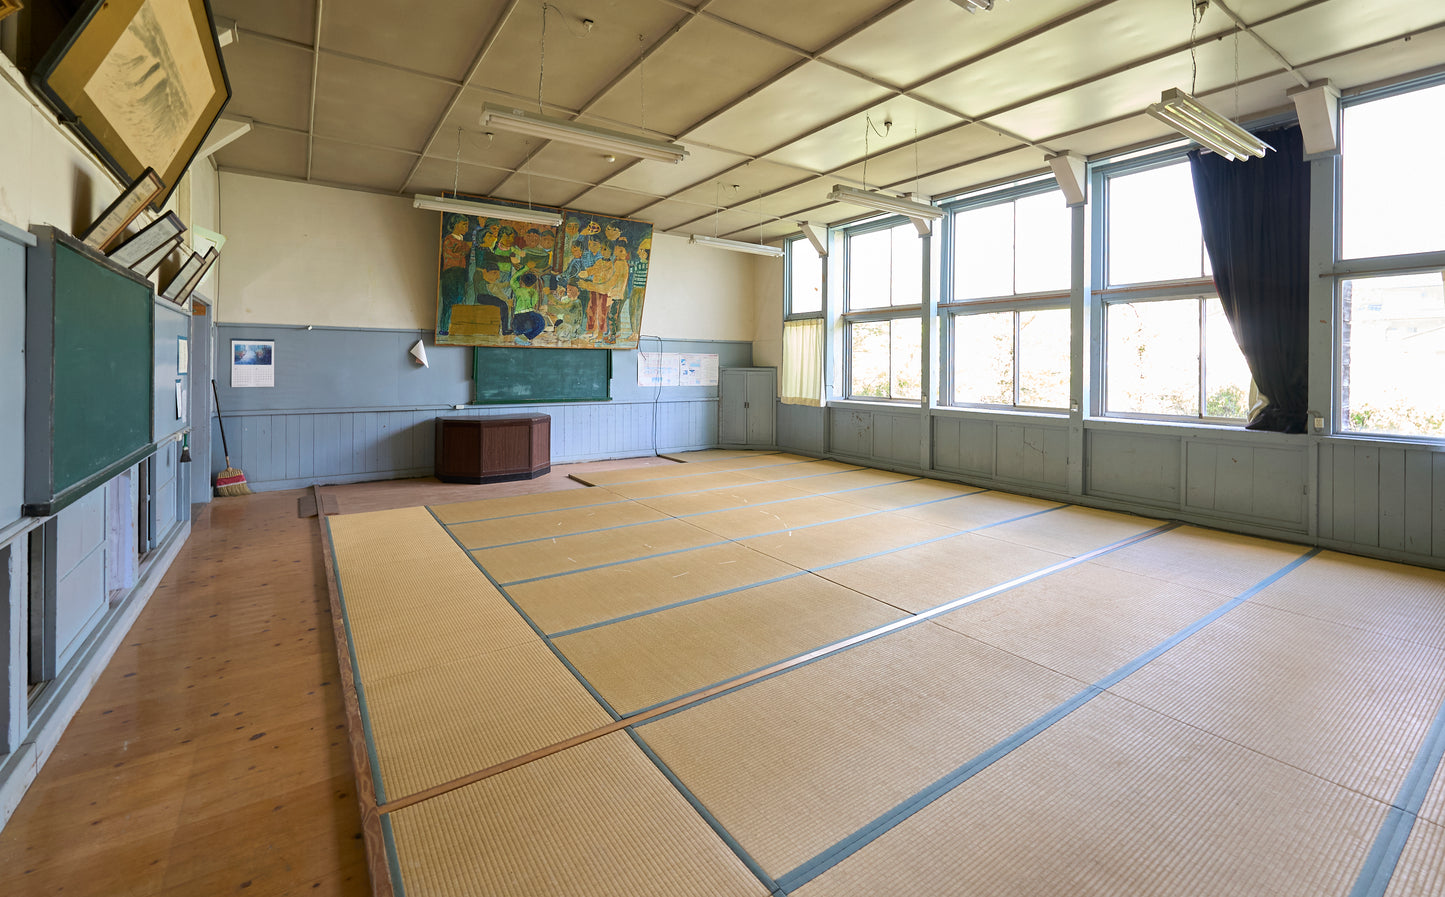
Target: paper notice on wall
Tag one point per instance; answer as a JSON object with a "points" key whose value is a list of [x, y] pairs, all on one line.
{"points": [[253, 363], [697, 370], [657, 369]]}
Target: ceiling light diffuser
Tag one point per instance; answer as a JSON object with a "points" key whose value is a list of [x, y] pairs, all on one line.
{"points": [[975, 5], [882, 202], [518, 121], [737, 245], [1211, 130], [486, 209]]}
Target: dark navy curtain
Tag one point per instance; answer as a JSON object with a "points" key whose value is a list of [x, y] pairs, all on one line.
{"points": [[1255, 216]]}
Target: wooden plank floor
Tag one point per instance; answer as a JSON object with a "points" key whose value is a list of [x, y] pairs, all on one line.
{"points": [[211, 755]]}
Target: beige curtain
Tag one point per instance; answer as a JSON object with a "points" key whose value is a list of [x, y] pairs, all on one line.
{"points": [[803, 362]]}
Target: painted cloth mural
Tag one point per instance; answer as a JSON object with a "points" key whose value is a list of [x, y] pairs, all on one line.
{"points": [[507, 283]]}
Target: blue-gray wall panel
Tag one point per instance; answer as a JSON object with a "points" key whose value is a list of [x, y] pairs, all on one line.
{"points": [[1143, 467], [1419, 497], [801, 428], [850, 432], [1032, 454], [171, 324], [12, 379]]}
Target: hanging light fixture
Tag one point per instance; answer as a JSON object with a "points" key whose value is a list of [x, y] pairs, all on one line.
{"points": [[486, 209], [882, 202], [1211, 130], [736, 245], [519, 121], [975, 5]]}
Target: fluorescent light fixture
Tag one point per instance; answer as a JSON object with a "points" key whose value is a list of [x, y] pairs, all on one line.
{"points": [[882, 202], [1211, 130], [486, 209], [736, 245], [518, 121], [975, 5]]}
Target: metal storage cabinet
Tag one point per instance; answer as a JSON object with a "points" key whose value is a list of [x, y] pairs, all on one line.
{"points": [[746, 406]]}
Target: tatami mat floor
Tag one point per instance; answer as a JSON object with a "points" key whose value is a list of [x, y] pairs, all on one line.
{"points": [[755, 673]]}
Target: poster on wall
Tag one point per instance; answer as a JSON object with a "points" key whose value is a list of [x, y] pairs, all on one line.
{"points": [[253, 363], [579, 285]]}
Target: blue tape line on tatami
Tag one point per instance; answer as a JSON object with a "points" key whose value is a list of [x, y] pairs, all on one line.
{"points": [[676, 604], [576, 673], [377, 784], [892, 818], [1384, 856]]}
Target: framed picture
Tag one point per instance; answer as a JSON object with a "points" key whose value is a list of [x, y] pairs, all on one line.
{"points": [[9, 6], [189, 275], [141, 81], [194, 280], [165, 229], [123, 211]]}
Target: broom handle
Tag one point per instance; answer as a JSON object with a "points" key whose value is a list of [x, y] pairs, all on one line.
{"points": [[224, 450]]}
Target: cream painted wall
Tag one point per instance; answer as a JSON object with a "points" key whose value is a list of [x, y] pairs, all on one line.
{"points": [[304, 254], [768, 315]]}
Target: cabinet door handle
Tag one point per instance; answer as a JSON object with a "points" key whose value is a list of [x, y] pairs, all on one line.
{"points": [[747, 404]]}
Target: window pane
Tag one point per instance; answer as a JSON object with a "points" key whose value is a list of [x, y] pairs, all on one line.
{"points": [[1154, 226], [805, 270], [1043, 254], [868, 359], [983, 358], [983, 252], [907, 266], [1153, 357], [907, 347], [1392, 190], [1044, 358], [1226, 374], [1394, 354], [870, 263]]}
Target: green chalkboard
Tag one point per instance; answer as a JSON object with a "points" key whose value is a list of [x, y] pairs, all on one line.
{"points": [[507, 376], [89, 369]]}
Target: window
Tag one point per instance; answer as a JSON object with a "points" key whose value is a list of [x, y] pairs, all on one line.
{"points": [[1391, 321], [882, 316], [1168, 348], [805, 279], [1007, 314], [802, 371]]}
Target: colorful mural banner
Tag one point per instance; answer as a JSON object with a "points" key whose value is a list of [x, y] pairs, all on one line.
{"points": [[508, 283]]}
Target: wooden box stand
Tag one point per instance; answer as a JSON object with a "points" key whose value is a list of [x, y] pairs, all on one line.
{"points": [[493, 449]]}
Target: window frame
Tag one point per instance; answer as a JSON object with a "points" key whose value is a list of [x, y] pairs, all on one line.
{"points": [[789, 258], [951, 310], [1105, 294], [1366, 267], [847, 317]]}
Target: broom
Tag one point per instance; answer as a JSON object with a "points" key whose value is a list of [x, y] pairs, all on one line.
{"points": [[230, 481]]}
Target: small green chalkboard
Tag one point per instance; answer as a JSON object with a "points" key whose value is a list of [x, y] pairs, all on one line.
{"points": [[516, 376]]}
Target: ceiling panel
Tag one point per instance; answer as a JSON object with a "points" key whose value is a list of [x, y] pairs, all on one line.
{"points": [[268, 151], [702, 164], [801, 24], [671, 215], [345, 163], [1130, 92], [282, 18], [788, 109], [617, 203], [425, 42], [934, 35], [692, 57], [437, 176], [899, 168], [270, 82], [368, 104], [541, 191], [1399, 57], [852, 139], [1340, 26], [739, 185], [1133, 29], [579, 62], [1007, 166]]}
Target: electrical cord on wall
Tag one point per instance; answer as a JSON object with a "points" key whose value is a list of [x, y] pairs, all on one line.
{"points": [[657, 395]]}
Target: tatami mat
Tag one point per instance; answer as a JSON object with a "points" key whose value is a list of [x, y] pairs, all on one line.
{"points": [[641, 474], [847, 540], [796, 470], [582, 599], [512, 505], [983, 509], [1343, 589], [1421, 870], [893, 496], [518, 562], [754, 460], [917, 579], [437, 724], [597, 820], [553, 524], [1433, 807], [647, 660], [769, 518], [715, 455], [848, 479], [676, 485], [1084, 621], [1073, 530], [796, 762], [1118, 800], [1347, 705], [708, 502], [1207, 559]]}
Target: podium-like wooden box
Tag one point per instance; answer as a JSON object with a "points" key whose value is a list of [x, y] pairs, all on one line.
{"points": [[493, 449]]}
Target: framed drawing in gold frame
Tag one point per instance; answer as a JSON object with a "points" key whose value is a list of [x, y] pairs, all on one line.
{"points": [[141, 81]]}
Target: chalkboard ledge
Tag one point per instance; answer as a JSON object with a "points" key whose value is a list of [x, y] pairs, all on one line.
{"points": [[75, 493]]}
